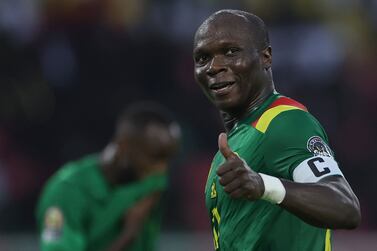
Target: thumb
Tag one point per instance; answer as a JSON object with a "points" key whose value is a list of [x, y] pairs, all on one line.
{"points": [[224, 147]]}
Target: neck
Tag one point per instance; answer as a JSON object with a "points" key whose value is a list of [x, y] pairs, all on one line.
{"points": [[256, 102], [231, 118]]}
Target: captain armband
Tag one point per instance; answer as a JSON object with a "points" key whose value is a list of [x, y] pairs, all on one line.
{"points": [[315, 168]]}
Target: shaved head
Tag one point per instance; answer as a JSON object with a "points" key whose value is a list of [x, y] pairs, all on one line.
{"points": [[251, 25], [233, 58]]}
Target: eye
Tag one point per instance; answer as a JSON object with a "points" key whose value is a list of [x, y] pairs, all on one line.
{"points": [[231, 51], [201, 59]]}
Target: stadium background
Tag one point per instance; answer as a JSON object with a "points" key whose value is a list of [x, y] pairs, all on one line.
{"points": [[68, 67]]}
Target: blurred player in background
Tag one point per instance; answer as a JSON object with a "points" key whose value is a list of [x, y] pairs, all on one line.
{"points": [[111, 201], [274, 183]]}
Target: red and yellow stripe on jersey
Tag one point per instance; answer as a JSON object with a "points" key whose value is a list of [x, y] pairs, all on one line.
{"points": [[280, 105]]}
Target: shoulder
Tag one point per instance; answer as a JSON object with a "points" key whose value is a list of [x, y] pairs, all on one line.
{"points": [[61, 191], [286, 116], [62, 194], [77, 171], [290, 135], [294, 123], [67, 183], [287, 124]]}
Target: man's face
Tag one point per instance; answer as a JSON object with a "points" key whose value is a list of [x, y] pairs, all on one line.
{"points": [[147, 153], [227, 66]]}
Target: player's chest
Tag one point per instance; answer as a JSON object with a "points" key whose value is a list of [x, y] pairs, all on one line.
{"points": [[246, 141]]}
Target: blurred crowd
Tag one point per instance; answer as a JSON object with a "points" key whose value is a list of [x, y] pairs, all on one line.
{"points": [[67, 68]]}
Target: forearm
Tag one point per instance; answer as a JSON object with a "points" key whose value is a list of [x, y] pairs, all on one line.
{"points": [[329, 203], [134, 220], [123, 241]]}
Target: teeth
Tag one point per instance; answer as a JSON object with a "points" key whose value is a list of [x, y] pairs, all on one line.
{"points": [[221, 85]]}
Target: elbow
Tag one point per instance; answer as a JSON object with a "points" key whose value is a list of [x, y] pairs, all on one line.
{"points": [[354, 219], [352, 216], [348, 209], [353, 222]]}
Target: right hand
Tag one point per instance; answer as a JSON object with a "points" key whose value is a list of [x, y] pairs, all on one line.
{"points": [[237, 178]]}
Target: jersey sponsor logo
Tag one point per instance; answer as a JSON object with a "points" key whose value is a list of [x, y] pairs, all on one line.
{"points": [[53, 224], [318, 147]]}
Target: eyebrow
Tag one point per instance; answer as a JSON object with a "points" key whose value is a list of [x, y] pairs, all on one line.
{"points": [[221, 44], [198, 51]]}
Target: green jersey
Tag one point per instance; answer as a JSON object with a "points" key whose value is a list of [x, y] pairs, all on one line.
{"points": [[275, 139], [78, 210]]}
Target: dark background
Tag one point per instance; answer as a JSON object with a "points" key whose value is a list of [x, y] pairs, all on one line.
{"points": [[67, 68]]}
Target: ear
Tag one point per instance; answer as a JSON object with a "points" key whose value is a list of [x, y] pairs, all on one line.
{"points": [[267, 58]]}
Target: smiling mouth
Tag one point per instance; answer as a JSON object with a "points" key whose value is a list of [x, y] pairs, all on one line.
{"points": [[221, 87]]}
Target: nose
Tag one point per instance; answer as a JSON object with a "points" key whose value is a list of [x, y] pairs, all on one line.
{"points": [[216, 66]]}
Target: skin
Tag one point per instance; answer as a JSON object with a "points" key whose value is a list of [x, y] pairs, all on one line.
{"points": [[133, 222], [224, 51], [137, 155]]}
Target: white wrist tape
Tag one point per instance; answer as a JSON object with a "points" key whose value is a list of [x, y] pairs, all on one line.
{"points": [[274, 190]]}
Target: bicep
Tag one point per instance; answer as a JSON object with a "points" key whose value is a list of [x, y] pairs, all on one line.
{"points": [[61, 219]]}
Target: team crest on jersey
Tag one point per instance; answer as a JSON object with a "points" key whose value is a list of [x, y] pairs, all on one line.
{"points": [[318, 147], [53, 224]]}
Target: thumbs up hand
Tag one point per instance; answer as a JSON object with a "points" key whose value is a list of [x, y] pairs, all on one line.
{"points": [[237, 178]]}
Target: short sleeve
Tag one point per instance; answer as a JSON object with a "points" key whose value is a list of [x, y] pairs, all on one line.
{"points": [[61, 218], [292, 137]]}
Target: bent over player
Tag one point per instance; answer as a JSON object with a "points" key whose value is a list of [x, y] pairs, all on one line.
{"points": [[111, 201], [274, 183]]}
